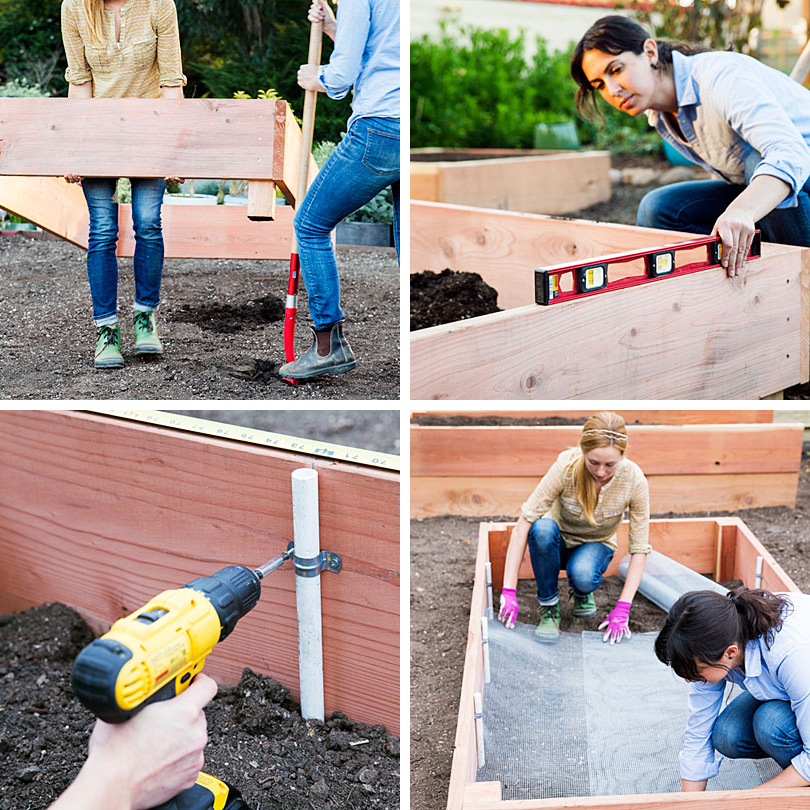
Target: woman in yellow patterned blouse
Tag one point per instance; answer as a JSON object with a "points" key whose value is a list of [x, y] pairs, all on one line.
{"points": [[570, 521], [123, 49]]}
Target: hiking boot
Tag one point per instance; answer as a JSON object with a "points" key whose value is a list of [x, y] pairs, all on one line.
{"points": [[548, 631], [584, 606], [146, 337], [337, 355], [108, 347]]}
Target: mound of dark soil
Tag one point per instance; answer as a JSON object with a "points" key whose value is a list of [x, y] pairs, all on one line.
{"points": [[258, 741], [438, 298]]}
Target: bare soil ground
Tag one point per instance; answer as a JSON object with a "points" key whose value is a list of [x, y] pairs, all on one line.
{"points": [[258, 741], [221, 323], [442, 562]]}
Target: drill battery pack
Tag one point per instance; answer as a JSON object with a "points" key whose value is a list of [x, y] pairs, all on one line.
{"points": [[209, 793]]}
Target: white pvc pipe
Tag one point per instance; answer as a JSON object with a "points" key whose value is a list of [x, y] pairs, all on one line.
{"points": [[308, 593], [758, 579], [485, 645], [488, 569], [479, 727]]}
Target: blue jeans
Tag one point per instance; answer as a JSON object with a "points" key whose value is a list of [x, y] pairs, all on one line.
{"points": [[102, 264], [694, 207], [364, 163], [584, 564], [754, 729]]}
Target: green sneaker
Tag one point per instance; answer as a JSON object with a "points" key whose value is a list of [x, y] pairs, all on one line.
{"points": [[108, 347], [146, 337], [584, 606], [548, 631]]}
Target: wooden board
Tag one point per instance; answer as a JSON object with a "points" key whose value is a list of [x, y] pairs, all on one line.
{"points": [[103, 514], [659, 449], [506, 247], [647, 417], [555, 183], [232, 139], [701, 336], [189, 231], [691, 541], [488, 497]]}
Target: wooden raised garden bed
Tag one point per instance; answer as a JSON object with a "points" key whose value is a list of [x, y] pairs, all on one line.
{"points": [[720, 547]]}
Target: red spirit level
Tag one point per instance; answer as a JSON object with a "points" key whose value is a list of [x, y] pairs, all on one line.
{"points": [[591, 277]]}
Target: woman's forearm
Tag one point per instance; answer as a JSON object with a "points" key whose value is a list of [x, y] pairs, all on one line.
{"points": [[515, 552], [789, 778], [687, 786], [171, 92], [80, 90], [763, 194], [633, 578]]}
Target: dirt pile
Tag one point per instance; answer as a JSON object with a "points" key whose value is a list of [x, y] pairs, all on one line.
{"points": [[438, 298]]}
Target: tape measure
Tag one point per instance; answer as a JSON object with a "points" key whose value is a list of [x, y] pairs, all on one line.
{"points": [[591, 277], [265, 438]]}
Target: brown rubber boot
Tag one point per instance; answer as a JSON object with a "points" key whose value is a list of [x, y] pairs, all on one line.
{"points": [[329, 353]]}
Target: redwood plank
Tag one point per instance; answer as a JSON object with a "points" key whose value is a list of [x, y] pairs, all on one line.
{"points": [[489, 497], [700, 336], [658, 449], [646, 417], [103, 514], [747, 549], [553, 183]]}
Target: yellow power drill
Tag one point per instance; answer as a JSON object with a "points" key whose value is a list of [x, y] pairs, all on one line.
{"points": [[154, 653]]}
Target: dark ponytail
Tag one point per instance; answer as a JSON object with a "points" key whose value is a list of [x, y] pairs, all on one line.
{"points": [[701, 625], [615, 34]]}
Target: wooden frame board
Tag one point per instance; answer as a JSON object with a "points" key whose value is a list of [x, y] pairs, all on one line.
{"points": [[700, 336], [723, 546], [542, 182], [490, 470], [102, 514], [645, 417]]}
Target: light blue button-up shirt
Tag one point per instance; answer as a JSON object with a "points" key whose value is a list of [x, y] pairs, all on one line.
{"points": [[366, 55], [730, 106], [781, 673]]}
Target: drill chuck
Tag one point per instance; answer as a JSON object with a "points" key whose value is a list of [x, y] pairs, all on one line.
{"points": [[155, 652]]}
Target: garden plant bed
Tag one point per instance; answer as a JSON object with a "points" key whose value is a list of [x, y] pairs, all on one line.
{"points": [[547, 182], [217, 344], [698, 336], [445, 297], [257, 739]]}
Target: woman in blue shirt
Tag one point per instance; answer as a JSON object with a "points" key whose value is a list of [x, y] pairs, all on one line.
{"points": [[366, 161], [761, 641], [745, 122]]}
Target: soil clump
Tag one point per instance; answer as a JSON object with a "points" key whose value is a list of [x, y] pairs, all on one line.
{"points": [[449, 296]]}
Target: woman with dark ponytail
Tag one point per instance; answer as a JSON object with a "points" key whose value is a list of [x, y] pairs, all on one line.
{"points": [[761, 641], [743, 121]]}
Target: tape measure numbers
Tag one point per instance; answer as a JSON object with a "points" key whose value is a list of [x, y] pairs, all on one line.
{"points": [[591, 277], [265, 438]]}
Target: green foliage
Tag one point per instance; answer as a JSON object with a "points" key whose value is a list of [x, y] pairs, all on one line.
{"points": [[716, 24], [123, 191], [31, 43], [475, 88], [19, 88], [265, 95]]}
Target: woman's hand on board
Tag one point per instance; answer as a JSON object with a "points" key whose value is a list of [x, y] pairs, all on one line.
{"points": [[736, 230], [509, 607], [73, 178]]}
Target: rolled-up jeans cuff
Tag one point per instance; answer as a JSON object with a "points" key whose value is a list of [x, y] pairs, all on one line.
{"points": [[144, 307], [106, 320]]}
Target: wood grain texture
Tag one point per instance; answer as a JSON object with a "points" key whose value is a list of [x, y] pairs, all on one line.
{"points": [[516, 450], [647, 417], [700, 336], [465, 758], [487, 497], [555, 183], [103, 514], [747, 548], [506, 247], [196, 232]]}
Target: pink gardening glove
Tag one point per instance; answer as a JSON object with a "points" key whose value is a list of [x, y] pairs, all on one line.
{"points": [[616, 623], [509, 607]]}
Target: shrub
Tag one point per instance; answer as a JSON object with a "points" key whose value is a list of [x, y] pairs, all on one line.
{"points": [[20, 88]]}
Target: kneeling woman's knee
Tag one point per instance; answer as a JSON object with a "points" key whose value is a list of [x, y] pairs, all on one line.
{"points": [[650, 209], [543, 533], [726, 738]]}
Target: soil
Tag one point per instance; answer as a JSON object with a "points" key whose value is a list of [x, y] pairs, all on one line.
{"points": [[442, 568], [258, 741], [221, 323], [449, 296]]}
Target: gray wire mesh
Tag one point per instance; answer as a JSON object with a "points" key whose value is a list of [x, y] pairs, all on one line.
{"points": [[582, 718]]}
